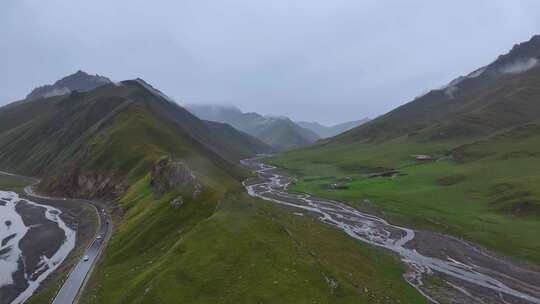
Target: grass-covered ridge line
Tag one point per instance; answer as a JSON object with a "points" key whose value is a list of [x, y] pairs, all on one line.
{"points": [[94, 144]]}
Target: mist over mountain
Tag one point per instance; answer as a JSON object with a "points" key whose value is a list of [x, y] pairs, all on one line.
{"points": [[447, 161], [79, 81], [171, 182], [329, 131], [497, 96], [278, 132], [66, 138], [119, 192]]}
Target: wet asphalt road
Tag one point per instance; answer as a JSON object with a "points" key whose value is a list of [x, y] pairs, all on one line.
{"points": [[77, 278]]}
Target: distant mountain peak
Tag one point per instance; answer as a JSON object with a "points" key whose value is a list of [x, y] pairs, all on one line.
{"points": [[278, 132], [79, 81], [330, 131], [215, 108]]}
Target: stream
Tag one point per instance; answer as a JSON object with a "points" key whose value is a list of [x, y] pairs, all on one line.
{"points": [[473, 274], [34, 241]]}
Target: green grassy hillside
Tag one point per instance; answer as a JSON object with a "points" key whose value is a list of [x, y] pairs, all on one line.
{"points": [[492, 98], [229, 248], [222, 246], [279, 132], [217, 245], [482, 183], [74, 141], [485, 191], [284, 134]]}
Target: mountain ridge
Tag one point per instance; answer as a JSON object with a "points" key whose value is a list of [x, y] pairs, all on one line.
{"points": [[333, 130], [458, 155], [279, 132], [79, 81], [182, 218], [455, 105], [62, 137]]}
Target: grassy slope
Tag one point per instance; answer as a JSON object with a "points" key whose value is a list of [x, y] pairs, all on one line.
{"points": [[223, 246], [13, 183], [38, 137], [44, 134], [487, 192], [230, 135], [233, 249], [136, 138], [488, 195], [283, 134]]}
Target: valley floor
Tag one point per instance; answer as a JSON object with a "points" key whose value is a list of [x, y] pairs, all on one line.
{"points": [[465, 272], [484, 191]]}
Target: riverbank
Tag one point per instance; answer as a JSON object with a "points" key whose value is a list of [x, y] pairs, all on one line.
{"points": [[44, 238], [441, 267]]}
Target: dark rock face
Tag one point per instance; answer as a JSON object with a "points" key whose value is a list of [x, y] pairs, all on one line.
{"points": [[80, 81], [86, 185], [177, 202], [168, 174]]}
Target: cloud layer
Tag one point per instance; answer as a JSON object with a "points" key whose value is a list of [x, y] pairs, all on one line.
{"points": [[329, 61]]}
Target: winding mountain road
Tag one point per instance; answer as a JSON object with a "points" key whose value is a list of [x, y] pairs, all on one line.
{"points": [[471, 273], [75, 282]]}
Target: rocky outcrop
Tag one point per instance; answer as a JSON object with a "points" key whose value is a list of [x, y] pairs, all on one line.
{"points": [[80, 81], [85, 185], [168, 174], [177, 202]]}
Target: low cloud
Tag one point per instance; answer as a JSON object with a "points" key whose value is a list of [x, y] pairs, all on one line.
{"points": [[57, 92], [520, 66]]}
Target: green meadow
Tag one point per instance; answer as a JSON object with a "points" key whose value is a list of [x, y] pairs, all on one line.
{"points": [[482, 190]]}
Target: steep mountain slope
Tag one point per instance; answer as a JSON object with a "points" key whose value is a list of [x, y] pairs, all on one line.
{"points": [[228, 134], [497, 96], [184, 228], [279, 132], [79, 81], [329, 131], [82, 148], [479, 182], [283, 134]]}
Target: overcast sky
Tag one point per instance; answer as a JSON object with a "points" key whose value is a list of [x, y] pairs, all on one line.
{"points": [[323, 60]]}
